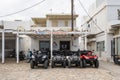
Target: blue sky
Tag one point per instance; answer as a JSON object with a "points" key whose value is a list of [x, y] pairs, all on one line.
{"points": [[57, 6]]}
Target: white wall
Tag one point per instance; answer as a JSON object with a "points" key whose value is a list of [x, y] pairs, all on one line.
{"points": [[98, 23], [92, 46], [81, 43], [100, 37], [113, 2], [109, 37], [99, 2], [25, 43], [35, 43], [101, 20], [61, 23], [112, 12], [58, 46], [15, 24], [105, 55]]}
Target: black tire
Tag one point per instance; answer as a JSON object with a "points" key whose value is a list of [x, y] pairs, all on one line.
{"points": [[32, 64], [64, 64], [81, 64], [52, 64], [28, 60], [96, 64], [69, 64], [46, 64], [116, 60], [76, 65], [36, 64], [84, 63]]}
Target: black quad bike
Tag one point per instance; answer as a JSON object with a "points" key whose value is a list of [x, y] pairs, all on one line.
{"points": [[74, 59], [89, 59], [58, 58], [40, 57]]}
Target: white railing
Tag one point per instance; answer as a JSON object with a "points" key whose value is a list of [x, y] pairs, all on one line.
{"points": [[54, 28], [113, 24]]}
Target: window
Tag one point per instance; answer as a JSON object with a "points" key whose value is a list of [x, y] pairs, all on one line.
{"points": [[88, 25], [54, 23], [61, 23], [118, 14], [44, 45], [66, 23], [101, 46], [118, 46]]}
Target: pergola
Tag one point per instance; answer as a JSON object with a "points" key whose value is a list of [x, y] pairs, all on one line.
{"points": [[51, 33]]}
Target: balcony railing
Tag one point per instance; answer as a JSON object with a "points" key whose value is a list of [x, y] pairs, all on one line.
{"points": [[114, 24], [54, 28]]}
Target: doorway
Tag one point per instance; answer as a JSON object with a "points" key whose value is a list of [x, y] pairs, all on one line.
{"points": [[64, 45]]}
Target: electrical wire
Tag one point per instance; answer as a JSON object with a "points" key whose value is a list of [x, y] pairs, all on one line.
{"points": [[89, 15], [10, 14]]}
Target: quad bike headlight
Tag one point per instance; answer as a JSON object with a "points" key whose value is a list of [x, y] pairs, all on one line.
{"points": [[67, 57], [44, 57], [33, 56]]}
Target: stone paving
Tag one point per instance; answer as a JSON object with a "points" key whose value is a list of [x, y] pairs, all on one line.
{"points": [[22, 71], [112, 68]]}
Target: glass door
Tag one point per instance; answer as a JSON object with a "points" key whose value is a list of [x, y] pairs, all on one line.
{"points": [[64, 45]]}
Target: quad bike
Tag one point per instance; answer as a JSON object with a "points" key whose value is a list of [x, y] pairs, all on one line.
{"points": [[74, 58], [87, 58], [40, 57], [58, 58]]}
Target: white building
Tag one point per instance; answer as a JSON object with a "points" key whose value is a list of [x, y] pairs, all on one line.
{"points": [[103, 37], [52, 32]]}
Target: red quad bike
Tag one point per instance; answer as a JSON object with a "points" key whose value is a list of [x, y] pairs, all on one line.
{"points": [[88, 59]]}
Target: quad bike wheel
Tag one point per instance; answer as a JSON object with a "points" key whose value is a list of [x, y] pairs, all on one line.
{"points": [[69, 64], [96, 64], [52, 64], [64, 64], [81, 64], [84, 63], [32, 64], [76, 64], [116, 60], [46, 64]]}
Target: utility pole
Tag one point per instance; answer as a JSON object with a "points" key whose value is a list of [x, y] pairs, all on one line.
{"points": [[3, 43], [72, 19]]}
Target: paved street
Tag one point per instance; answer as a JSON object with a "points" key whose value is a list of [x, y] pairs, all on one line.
{"points": [[112, 68], [22, 71]]}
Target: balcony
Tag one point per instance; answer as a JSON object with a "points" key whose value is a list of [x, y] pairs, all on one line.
{"points": [[114, 24], [67, 29], [91, 39]]}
